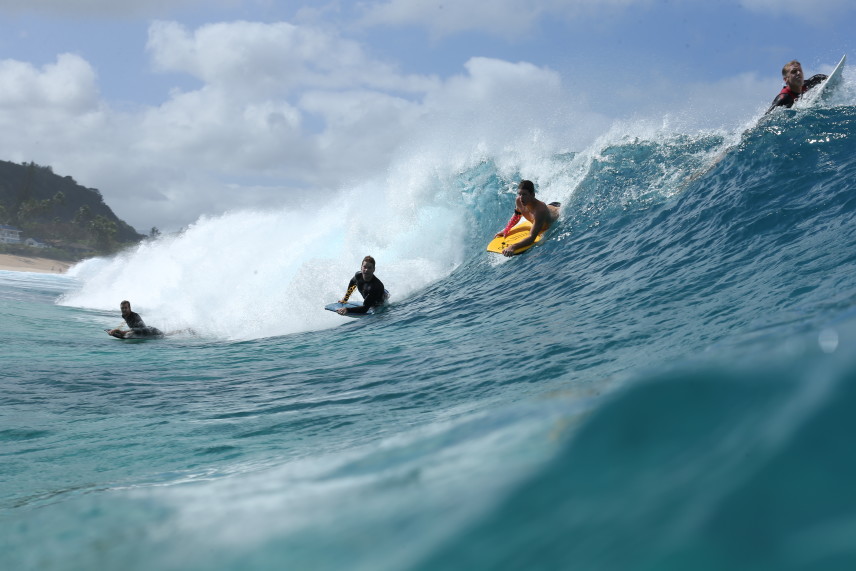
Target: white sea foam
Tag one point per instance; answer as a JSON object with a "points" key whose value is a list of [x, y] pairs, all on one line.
{"points": [[251, 274], [259, 274]]}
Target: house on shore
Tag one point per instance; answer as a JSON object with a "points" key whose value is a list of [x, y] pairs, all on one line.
{"points": [[33, 243], [10, 234]]}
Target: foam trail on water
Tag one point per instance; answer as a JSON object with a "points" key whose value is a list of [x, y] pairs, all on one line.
{"points": [[251, 274]]}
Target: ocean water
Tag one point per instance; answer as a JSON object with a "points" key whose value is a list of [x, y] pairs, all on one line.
{"points": [[666, 382]]}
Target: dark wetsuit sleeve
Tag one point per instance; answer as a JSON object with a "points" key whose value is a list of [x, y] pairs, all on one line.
{"points": [[372, 293], [352, 285], [140, 329], [814, 81], [134, 321], [782, 100], [785, 99]]}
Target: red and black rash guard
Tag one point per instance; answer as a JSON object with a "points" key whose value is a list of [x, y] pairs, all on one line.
{"points": [[372, 292], [786, 97]]}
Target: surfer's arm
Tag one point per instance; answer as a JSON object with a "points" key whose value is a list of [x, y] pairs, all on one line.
{"points": [[537, 227], [814, 81], [374, 297], [515, 218], [781, 100], [351, 287], [134, 321], [359, 309]]}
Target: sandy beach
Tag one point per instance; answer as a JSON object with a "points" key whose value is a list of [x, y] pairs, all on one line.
{"points": [[13, 263]]}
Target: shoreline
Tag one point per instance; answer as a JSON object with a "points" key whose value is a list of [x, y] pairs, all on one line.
{"points": [[15, 263]]}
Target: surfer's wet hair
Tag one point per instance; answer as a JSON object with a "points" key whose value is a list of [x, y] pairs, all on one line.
{"points": [[369, 259], [527, 185], [789, 65]]}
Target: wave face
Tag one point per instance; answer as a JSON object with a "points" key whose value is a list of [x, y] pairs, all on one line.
{"points": [[663, 382]]}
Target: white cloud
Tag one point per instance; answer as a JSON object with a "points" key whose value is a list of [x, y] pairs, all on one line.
{"points": [[240, 139], [282, 111], [68, 86], [265, 88], [50, 112], [499, 17], [272, 58]]}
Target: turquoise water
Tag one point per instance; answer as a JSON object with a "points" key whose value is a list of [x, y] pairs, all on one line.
{"points": [[664, 383]]}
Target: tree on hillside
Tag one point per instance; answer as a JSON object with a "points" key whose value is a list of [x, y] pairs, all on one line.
{"points": [[30, 210], [26, 192], [59, 211], [104, 232], [34, 210], [83, 216]]}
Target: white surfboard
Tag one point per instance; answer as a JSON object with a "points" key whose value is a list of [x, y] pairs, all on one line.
{"points": [[823, 90]]}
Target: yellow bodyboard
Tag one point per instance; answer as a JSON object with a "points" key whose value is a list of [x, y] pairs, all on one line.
{"points": [[520, 231]]}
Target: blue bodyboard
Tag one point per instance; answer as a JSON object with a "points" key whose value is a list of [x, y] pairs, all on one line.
{"points": [[337, 305]]}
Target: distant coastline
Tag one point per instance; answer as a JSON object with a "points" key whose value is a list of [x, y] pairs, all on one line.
{"points": [[15, 263]]}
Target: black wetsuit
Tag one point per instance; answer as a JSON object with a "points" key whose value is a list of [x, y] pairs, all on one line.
{"points": [[138, 327], [372, 292], [786, 97]]}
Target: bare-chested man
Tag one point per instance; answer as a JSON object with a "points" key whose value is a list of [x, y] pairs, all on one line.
{"points": [[541, 216]]}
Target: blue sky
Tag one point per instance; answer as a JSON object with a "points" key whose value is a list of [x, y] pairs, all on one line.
{"points": [[179, 108]]}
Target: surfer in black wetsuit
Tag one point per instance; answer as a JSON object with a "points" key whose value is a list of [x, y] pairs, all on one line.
{"points": [[137, 328], [792, 74], [369, 286]]}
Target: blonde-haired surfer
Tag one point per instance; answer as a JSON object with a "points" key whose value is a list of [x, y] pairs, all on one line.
{"points": [[792, 75]]}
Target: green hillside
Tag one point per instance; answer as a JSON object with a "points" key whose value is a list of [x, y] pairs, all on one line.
{"points": [[72, 220]]}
